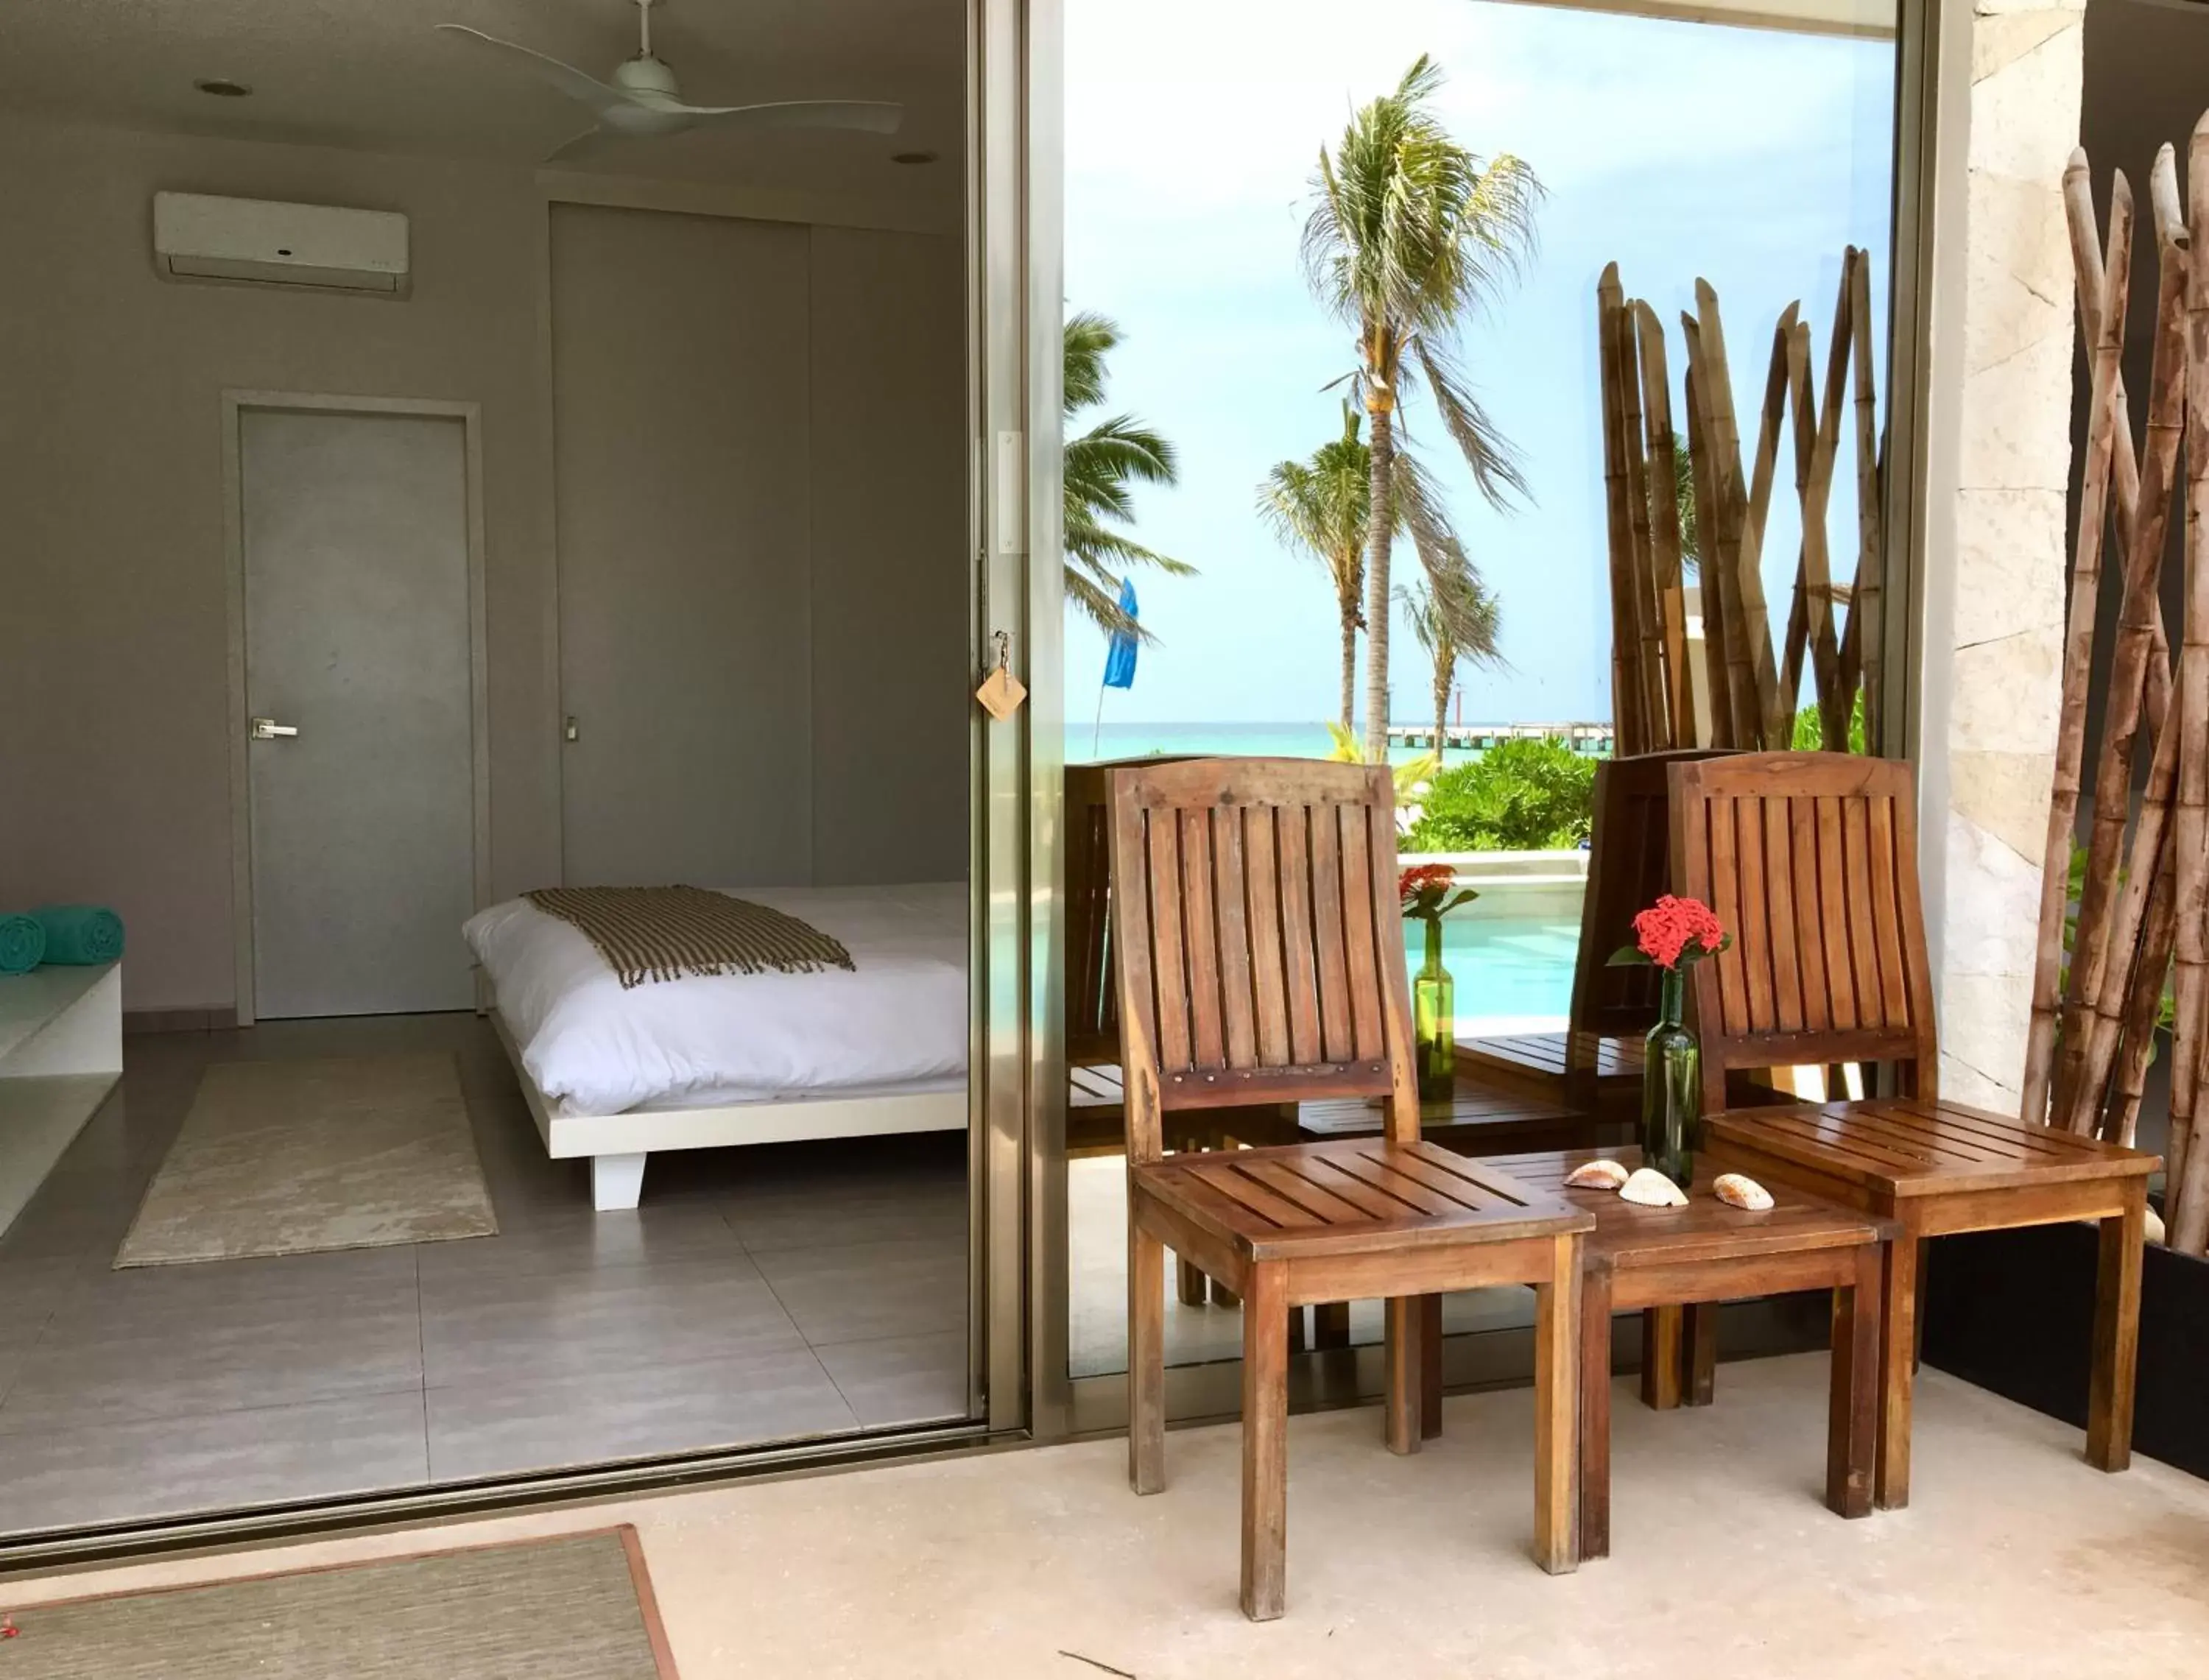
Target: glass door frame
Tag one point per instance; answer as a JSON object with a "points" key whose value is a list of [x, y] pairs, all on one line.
{"points": [[1019, 199]]}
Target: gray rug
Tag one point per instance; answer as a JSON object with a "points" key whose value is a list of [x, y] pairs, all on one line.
{"points": [[299, 1157], [576, 1608]]}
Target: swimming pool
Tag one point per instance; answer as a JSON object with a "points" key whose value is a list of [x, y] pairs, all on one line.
{"points": [[1505, 966]]}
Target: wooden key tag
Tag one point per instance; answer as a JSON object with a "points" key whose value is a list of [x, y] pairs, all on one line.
{"points": [[1002, 693]]}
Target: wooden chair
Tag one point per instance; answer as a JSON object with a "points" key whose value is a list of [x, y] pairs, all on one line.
{"points": [[1261, 959], [1096, 1112], [1595, 1064], [1811, 861]]}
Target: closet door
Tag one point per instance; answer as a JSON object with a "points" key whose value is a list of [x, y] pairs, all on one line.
{"points": [[680, 390]]}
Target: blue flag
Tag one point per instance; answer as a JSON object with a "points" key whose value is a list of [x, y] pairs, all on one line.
{"points": [[1120, 655]]}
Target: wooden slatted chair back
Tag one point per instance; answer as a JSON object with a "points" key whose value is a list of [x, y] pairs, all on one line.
{"points": [[1092, 996], [1630, 865], [1259, 939], [1810, 860]]}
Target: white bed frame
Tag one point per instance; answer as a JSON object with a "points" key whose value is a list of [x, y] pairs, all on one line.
{"points": [[618, 1144]]}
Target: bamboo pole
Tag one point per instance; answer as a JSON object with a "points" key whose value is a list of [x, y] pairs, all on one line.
{"points": [[2091, 945], [1717, 681], [1748, 628], [2144, 1003], [1814, 568], [2188, 1208], [1776, 714], [2079, 637], [2111, 988], [1665, 508], [1641, 570], [1722, 564], [1624, 691], [1869, 601]]}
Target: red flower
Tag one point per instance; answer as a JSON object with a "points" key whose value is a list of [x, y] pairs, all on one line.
{"points": [[1674, 925], [1421, 876], [1424, 891]]}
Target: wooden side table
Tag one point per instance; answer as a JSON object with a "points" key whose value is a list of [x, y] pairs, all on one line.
{"points": [[1935, 1168], [1476, 1121], [1707, 1252]]}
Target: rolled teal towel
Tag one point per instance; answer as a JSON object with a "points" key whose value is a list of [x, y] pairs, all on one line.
{"points": [[80, 933], [22, 943]]}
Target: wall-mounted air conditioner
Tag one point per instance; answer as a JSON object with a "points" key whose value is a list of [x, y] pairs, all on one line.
{"points": [[196, 236]]}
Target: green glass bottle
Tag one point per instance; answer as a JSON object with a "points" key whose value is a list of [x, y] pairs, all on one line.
{"points": [[1434, 1017], [1672, 1086]]}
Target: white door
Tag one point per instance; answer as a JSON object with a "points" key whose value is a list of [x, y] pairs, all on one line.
{"points": [[358, 685]]}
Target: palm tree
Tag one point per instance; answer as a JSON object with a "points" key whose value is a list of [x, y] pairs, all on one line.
{"points": [[1100, 464], [1437, 623], [1683, 493], [1320, 506], [1409, 234]]}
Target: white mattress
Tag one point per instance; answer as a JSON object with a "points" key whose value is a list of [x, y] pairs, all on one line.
{"points": [[896, 1021]]}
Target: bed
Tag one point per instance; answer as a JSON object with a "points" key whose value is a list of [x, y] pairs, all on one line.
{"points": [[615, 1075]]}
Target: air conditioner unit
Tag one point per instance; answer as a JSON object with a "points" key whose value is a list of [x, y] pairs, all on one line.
{"points": [[196, 236]]}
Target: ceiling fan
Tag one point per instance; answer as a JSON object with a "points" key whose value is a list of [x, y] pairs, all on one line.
{"points": [[639, 99]]}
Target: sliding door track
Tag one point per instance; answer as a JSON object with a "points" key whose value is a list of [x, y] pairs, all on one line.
{"points": [[45, 1549]]}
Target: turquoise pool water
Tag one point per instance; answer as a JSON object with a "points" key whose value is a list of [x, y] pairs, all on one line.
{"points": [[1504, 964]]}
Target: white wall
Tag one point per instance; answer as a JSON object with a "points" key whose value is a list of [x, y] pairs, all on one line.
{"points": [[113, 755], [114, 778]]}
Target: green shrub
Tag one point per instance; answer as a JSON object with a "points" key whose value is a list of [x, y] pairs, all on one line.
{"points": [[1522, 796], [1809, 736]]}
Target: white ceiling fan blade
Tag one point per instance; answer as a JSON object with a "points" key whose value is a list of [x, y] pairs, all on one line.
{"points": [[870, 115], [586, 90], [590, 144]]}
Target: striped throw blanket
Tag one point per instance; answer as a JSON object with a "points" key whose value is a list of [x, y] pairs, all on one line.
{"points": [[664, 933]]}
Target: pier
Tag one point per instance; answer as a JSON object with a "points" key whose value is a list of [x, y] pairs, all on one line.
{"points": [[1593, 740]]}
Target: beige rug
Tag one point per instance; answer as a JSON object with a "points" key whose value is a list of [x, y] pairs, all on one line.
{"points": [[299, 1157], [579, 1608]]}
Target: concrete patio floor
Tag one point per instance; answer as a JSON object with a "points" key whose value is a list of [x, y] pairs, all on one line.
{"points": [[2015, 1559]]}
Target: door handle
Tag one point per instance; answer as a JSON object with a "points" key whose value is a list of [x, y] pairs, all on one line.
{"points": [[268, 729]]}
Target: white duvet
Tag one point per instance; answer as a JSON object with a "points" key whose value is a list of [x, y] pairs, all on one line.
{"points": [[898, 1020]]}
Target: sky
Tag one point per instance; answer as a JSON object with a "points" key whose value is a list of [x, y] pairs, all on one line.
{"points": [[1750, 158]]}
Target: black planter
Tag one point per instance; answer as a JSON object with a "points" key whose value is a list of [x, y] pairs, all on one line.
{"points": [[2013, 1312]]}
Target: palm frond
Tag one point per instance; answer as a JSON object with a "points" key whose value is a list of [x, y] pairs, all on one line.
{"points": [[1099, 465], [1320, 506], [1089, 338], [1454, 588], [1495, 463]]}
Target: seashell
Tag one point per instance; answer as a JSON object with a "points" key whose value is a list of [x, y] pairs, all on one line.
{"points": [[1737, 1189], [1651, 1188], [1604, 1175]]}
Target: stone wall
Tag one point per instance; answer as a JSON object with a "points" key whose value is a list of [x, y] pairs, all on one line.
{"points": [[1999, 449]]}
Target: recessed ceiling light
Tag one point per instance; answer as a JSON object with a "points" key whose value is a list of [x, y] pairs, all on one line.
{"points": [[912, 157], [222, 88]]}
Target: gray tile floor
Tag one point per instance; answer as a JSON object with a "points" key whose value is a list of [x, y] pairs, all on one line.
{"points": [[756, 1295]]}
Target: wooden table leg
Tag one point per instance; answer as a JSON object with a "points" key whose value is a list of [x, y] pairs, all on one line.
{"points": [[1852, 1409], [1265, 1442], [1146, 1360], [1595, 1416], [1188, 1283], [1430, 1366], [1406, 1382], [1898, 1346], [1661, 1328], [1557, 1409], [2116, 1333], [1331, 1324], [1699, 1333]]}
